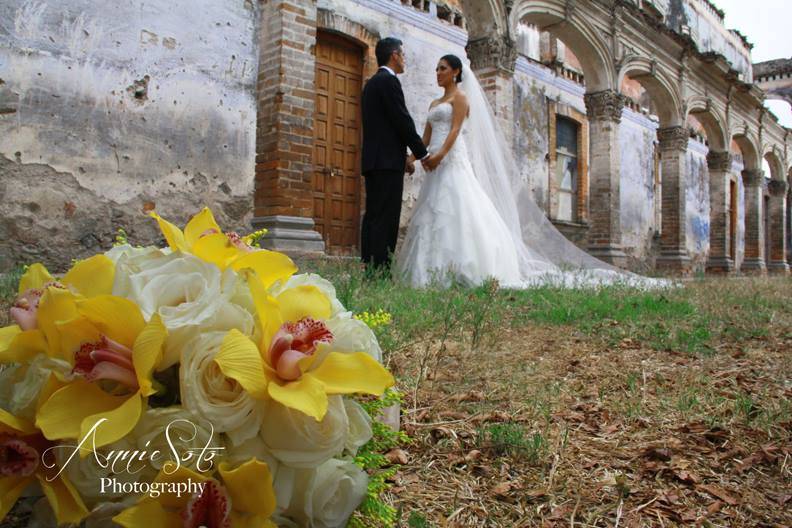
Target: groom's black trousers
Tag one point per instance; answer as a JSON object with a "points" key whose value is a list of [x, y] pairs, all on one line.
{"points": [[380, 228]]}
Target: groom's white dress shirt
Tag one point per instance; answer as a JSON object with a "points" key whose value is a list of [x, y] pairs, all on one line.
{"points": [[394, 74]]}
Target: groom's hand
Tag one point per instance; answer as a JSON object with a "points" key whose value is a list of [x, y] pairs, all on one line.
{"points": [[431, 162], [409, 167]]}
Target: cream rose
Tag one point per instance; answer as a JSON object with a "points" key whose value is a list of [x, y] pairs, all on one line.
{"points": [[189, 294], [359, 432], [298, 440], [353, 335], [213, 397], [324, 497], [86, 473], [176, 432], [21, 384]]}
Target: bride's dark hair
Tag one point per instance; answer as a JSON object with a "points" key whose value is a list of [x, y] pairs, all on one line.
{"points": [[455, 63]]}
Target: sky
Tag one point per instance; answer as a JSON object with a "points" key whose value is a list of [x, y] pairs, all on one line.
{"points": [[766, 24]]}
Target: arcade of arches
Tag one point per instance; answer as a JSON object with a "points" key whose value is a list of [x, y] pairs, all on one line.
{"points": [[639, 125]]}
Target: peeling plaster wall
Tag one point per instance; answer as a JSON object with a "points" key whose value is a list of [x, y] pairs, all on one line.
{"points": [[697, 204], [708, 32], [637, 136], [531, 141], [117, 108], [737, 168], [534, 85]]}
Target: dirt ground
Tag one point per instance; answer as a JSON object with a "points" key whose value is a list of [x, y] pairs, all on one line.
{"points": [[548, 427]]}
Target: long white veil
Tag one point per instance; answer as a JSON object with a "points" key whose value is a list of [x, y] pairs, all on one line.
{"points": [[545, 254]]}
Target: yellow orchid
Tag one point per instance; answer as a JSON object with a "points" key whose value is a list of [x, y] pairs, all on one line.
{"points": [[43, 301], [291, 363], [114, 353], [21, 449], [244, 499], [203, 238]]}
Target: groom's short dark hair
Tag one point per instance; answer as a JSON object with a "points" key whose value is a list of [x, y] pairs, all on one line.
{"points": [[385, 49]]}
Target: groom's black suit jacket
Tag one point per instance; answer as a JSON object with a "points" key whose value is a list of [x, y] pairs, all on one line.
{"points": [[388, 128]]}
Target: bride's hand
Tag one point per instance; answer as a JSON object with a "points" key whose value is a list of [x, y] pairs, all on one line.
{"points": [[432, 162]]}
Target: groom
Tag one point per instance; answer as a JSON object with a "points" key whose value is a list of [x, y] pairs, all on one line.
{"points": [[388, 130]]}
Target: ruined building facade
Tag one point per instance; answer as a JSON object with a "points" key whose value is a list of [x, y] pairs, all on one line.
{"points": [[639, 125]]}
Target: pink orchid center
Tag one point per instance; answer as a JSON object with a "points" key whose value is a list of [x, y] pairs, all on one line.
{"points": [[25, 309], [17, 457], [209, 509], [238, 242], [295, 341], [106, 360]]}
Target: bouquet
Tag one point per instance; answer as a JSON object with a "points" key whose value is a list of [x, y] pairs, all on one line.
{"points": [[204, 384]]}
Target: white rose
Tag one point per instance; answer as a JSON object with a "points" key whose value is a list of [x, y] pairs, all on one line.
{"points": [[86, 473], [324, 497], [125, 250], [213, 397], [298, 440], [176, 432], [23, 383], [359, 432], [190, 295], [324, 285], [353, 335]]}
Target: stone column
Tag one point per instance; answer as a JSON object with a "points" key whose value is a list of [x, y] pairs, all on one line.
{"points": [[284, 132], [754, 226], [673, 237], [604, 110], [493, 59], [778, 224], [719, 259]]}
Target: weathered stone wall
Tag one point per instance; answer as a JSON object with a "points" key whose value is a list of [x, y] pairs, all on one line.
{"points": [[110, 109], [697, 204], [700, 20], [637, 136]]}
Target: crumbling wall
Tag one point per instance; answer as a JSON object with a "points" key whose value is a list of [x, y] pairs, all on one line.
{"points": [[112, 109]]}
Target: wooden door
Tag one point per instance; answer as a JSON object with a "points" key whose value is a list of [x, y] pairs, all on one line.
{"points": [[336, 181]]}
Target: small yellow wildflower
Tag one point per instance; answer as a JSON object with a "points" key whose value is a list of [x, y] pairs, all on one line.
{"points": [[373, 320]]}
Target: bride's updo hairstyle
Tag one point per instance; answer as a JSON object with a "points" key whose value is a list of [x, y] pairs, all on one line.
{"points": [[455, 63]]}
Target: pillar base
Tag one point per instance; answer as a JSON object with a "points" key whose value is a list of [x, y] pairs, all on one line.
{"points": [[674, 261], [753, 266], [778, 268], [610, 254], [289, 233], [720, 265]]}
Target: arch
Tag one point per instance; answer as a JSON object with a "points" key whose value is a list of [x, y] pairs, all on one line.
{"points": [[576, 32], [662, 92], [741, 135], [702, 109], [484, 18], [330, 22], [771, 155]]}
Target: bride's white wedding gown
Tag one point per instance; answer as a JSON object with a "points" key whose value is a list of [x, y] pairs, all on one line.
{"points": [[455, 230]]}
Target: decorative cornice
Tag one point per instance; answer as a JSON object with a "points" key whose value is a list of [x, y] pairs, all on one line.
{"points": [[719, 161], [492, 52], [777, 187], [419, 19], [606, 105], [673, 138], [752, 178]]}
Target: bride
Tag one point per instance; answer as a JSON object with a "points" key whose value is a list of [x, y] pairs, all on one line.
{"points": [[474, 218]]}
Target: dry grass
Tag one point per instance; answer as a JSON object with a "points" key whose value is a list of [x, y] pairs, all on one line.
{"points": [[556, 427]]}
